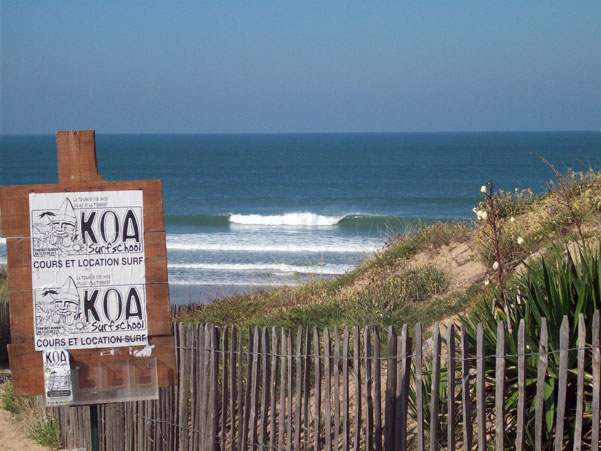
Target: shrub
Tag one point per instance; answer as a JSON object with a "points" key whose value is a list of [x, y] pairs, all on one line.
{"points": [[561, 286]]}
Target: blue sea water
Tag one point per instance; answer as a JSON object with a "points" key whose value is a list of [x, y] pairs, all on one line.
{"points": [[250, 211]]}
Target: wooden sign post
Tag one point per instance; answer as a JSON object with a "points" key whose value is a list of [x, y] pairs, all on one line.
{"points": [[87, 274]]}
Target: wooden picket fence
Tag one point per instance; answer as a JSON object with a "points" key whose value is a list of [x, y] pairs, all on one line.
{"points": [[281, 389], [346, 389]]}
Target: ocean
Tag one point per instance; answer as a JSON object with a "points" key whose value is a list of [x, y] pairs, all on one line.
{"points": [[245, 212]]}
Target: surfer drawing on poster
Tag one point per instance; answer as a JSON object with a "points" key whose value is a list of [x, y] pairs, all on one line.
{"points": [[55, 232], [58, 310]]}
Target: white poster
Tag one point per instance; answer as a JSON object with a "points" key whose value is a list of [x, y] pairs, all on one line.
{"points": [[88, 272], [58, 388]]}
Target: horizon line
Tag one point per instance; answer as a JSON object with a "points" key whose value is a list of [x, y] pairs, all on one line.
{"points": [[313, 133]]}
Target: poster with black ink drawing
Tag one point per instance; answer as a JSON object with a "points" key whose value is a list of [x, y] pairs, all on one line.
{"points": [[58, 387], [88, 269]]}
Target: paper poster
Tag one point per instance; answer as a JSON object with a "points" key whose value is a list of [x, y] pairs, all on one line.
{"points": [[88, 270], [58, 388]]}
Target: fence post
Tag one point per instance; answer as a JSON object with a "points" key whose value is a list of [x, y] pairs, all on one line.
{"points": [[480, 381], [580, 383], [451, 387], [519, 441], [564, 344], [543, 362], [500, 388], [419, 387], [434, 393]]}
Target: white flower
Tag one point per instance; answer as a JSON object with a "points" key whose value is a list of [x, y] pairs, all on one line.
{"points": [[512, 219], [483, 189], [521, 240], [495, 265], [484, 215], [486, 282]]}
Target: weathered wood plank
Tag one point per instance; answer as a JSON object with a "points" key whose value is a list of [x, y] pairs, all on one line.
{"points": [[403, 370], [434, 390], [451, 408], [521, 413], [254, 390], [307, 387], [596, 364], [298, 379], [225, 390], [345, 391], [282, 412], [336, 388], [377, 392], [480, 393], [247, 393], [357, 380], [289, 395], [274, 383], [265, 387], [419, 387], [317, 388], [564, 344], [184, 385], [369, 407], [327, 374], [580, 383], [500, 388], [389, 418], [543, 363], [234, 407]]}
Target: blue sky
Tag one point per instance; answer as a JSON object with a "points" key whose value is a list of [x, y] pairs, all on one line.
{"points": [[313, 66]]}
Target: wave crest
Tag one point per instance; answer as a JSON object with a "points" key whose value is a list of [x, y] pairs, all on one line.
{"points": [[287, 219]]}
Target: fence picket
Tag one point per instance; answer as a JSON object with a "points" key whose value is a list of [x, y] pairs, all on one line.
{"points": [[369, 407], [434, 393], [377, 392], [298, 388], [289, 395], [247, 393], [317, 389], [274, 385], [307, 385], [265, 387], [543, 362], [254, 391], [596, 355], [184, 375], [451, 412], [357, 380], [419, 387], [580, 384], [282, 418], [224, 387], [233, 387], [403, 369], [500, 388], [389, 419], [336, 388], [480, 395], [345, 391], [564, 344], [519, 441], [327, 386]]}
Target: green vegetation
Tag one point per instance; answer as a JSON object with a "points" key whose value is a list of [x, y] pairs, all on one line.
{"points": [[383, 291], [42, 430]]}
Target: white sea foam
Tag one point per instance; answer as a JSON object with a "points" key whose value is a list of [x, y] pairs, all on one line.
{"points": [[288, 219], [271, 243], [232, 283], [262, 267]]}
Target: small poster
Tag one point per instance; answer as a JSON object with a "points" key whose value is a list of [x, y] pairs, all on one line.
{"points": [[58, 388], [88, 269]]}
